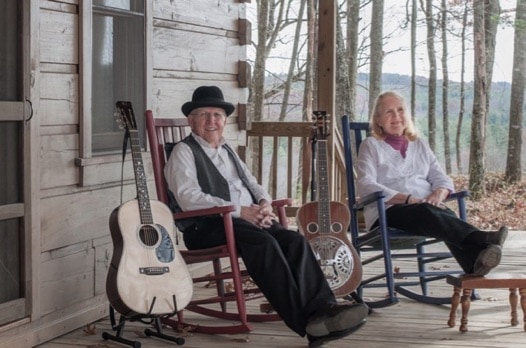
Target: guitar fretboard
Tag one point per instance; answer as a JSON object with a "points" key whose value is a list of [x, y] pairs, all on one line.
{"points": [[140, 179], [324, 204]]}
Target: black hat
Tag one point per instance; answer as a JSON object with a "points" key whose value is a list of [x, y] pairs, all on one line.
{"points": [[207, 96]]}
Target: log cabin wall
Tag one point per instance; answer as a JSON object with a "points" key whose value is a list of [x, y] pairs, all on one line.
{"points": [[189, 43]]}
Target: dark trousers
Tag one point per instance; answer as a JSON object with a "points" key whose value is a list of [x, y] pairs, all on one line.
{"points": [[427, 220], [280, 262]]}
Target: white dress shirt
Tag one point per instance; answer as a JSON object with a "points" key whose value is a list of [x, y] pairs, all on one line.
{"points": [[380, 167], [181, 176]]}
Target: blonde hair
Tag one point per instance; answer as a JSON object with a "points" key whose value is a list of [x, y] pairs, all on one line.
{"points": [[376, 131]]}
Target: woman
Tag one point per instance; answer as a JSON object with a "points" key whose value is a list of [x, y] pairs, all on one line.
{"points": [[397, 162]]}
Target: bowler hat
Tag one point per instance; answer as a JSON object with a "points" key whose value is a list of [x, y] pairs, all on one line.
{"points": [[207, 96]]}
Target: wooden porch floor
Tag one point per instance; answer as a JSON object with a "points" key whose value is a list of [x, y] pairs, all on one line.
{"points": [[406, 324]]}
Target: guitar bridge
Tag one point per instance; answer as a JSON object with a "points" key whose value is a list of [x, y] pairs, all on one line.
{"points": [[154, 270]]}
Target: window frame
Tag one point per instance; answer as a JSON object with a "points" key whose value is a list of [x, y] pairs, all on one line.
{"points": [[87, 156]]}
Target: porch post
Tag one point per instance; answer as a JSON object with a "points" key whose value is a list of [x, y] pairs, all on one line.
{"points": [[327, 73]]}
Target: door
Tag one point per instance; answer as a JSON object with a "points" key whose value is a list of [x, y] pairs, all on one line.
{"points": [[14, 110]]}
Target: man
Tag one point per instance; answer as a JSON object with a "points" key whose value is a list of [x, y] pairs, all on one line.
{"points": [[204, 172]]}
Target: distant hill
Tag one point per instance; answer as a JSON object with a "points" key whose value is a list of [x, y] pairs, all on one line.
{"points": [[498, 117]]}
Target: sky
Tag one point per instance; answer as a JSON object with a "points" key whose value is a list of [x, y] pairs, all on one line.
{"points": [[400, 63], [398, 59]]}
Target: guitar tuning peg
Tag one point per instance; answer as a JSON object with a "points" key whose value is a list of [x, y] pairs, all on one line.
{"points": [[118, 119]]}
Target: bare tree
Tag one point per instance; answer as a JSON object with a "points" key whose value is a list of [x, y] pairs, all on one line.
{"points": [[270, 23], [518, 85], [376, 56], [267, 32], [431, 98], [258, 79], [478, 131], [293, 62], [343, 102], [353, 17], [414, 19], [445, 88], [462, 85], [491, 21], [308, 88]]}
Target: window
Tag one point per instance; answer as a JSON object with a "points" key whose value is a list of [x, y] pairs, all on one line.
{"points": [[118, 68], [13, 58]]}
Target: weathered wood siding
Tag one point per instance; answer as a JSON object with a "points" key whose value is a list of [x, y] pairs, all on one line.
{"points": [[196, 44], [193, 42]]}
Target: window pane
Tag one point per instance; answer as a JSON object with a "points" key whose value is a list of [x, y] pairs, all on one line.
{"points": [[9, 260], [118, 70], [133, 5], [9, 67], [122, 4], [9, 155]]}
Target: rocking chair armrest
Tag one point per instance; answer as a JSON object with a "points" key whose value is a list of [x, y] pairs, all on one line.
{"points": [[281, 202], [369, 199], [458, 195], [375, 196], [459, 198], [203, 212], [279, 205]]}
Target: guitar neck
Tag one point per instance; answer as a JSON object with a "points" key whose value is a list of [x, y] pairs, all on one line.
{"points": [[140, 179], [324, 197]]}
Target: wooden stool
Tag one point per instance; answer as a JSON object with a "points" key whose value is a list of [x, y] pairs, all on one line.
{"points": [[491, 281]]}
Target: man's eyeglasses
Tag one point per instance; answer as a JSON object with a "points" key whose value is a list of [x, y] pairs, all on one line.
{"points": [[214, 115]]}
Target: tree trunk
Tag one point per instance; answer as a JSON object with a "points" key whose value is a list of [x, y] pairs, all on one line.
{"points": [[258, 80], [292, 63], [518, 84], [414, 19], [343, 102], [491, 22], [478, 136], [376, 56], [462, 87], [445, 90], [431, 99], [308, 92], [353, 19]]}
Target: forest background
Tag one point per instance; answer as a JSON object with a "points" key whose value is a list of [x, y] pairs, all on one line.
{"points": [[427, 51]]}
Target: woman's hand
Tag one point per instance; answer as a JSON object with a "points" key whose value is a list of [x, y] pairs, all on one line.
{"points": [[437, 197]]}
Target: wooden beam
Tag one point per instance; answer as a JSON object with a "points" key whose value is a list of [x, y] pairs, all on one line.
{"points": [[327, 73], [326, 56], [245, 31], [242, 117], [244, 74]]}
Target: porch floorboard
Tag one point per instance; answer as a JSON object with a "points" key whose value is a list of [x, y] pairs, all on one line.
{"points": [[406, 324]]}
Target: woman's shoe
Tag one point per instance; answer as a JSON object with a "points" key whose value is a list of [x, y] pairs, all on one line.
{"points": [[498, 237], [488, 259]]}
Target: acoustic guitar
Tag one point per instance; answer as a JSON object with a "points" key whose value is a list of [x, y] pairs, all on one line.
{"points": [[147, 275], [325, 223]]}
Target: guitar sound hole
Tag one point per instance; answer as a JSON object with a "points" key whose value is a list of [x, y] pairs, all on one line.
{"points": [[312, 227], [336, 227], [148, 235]]}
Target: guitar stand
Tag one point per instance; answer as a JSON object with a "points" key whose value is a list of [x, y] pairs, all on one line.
{"points": [[119, 329]]}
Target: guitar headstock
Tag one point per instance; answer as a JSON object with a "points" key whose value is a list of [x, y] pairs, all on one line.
{"points": [[321, 124], [125, 116]]}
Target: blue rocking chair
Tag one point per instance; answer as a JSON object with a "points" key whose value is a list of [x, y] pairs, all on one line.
{"points": [[379, 243]]}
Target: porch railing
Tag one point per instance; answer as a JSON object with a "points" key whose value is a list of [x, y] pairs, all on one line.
{"points": [[280, 156]]}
